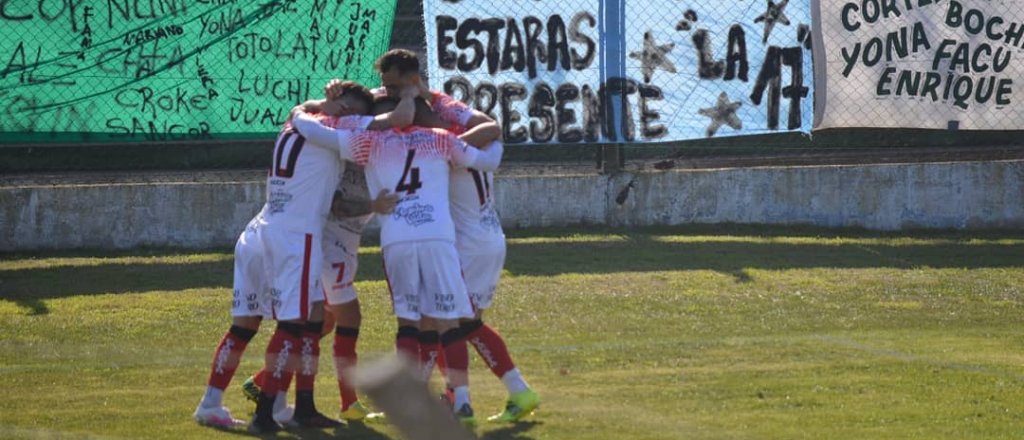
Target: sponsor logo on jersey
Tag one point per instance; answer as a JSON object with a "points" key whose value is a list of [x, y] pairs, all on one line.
{"points": [[278, 201], [415, 215]]}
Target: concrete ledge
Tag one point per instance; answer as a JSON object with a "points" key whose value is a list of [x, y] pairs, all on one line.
{"points": [[210, 208]]}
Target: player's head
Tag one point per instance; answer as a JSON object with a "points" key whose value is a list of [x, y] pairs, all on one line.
{"points": [[398, 68], [354, 99]]}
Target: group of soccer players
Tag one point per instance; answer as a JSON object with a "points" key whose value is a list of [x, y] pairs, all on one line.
{"points": [[429, 161]]}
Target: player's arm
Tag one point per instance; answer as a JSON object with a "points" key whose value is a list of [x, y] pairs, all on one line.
{"points": [[320, 135], [480, 117], [401, 116], [462, 154], [383, 204], [482, 135], [457, 112]]}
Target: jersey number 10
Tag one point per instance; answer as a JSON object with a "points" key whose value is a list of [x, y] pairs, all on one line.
{"points": [[288, 145]]}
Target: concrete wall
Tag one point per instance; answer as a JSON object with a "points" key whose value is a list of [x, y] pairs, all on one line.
{"points": [[206, 211]]}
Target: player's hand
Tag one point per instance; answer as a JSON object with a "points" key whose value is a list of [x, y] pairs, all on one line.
{"points": [[424, 91], [410, 92], [332, 108], [333, 89], [384, 203]]}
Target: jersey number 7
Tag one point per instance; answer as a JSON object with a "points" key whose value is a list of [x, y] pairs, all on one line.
{"points": [[410, 173]]}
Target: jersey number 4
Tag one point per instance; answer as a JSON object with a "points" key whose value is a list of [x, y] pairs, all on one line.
{"points": [[286, 153], [410, 181]]}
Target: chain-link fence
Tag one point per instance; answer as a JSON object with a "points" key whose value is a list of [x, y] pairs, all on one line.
{"points": [[144, 85]]}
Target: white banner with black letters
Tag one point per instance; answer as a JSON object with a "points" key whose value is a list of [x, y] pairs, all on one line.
{"points": [[940, 64], [567, 71]]}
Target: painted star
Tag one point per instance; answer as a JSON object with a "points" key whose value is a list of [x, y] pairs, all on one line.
{"points": [[653, 57], [724, 112], [775, 14]]}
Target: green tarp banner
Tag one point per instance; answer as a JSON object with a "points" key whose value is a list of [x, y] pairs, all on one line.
{"points": [[176, 70]]}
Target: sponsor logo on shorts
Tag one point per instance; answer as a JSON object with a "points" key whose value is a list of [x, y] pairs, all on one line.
{"points": [[444, 302]]}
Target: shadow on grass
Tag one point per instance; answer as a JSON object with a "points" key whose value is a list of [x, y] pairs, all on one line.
{"points": [[640, 250], [30, 288], [354, 431], [513, 432]]}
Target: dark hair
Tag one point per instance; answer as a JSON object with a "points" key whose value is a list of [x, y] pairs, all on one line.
{"points": [[383, 104], [404, 60], [359, 91]]}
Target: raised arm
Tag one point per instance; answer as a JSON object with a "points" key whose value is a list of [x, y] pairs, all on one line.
{"points": [[462, 154], [401, 116], [482, 135], [457, 112], [344, 208], [320, 135]]}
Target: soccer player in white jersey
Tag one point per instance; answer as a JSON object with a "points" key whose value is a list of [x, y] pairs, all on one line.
{"points": [[351, 211], [301, 185], [479, 237], [248, 306], [417, 240]]}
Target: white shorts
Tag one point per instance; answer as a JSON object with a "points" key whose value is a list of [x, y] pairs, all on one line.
{"points": [[481, 270], [250, 296], [339, 273], [425, 280], [292, 261]]}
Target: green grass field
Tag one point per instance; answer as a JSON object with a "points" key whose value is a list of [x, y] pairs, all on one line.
{"points": [[672, 333]]}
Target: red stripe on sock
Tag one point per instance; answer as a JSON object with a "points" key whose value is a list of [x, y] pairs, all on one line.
{"points": [[456, 355], [309, 357], [345, 357], [492, 349], [430, 354], [282, 355], [225, 360], [409, 346]]}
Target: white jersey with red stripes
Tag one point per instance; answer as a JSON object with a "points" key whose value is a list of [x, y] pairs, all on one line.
{"points": [[303, 177], [414, 164], [451, 110], [477, 226]]}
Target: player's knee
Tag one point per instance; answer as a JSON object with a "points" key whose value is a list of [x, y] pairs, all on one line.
{"points": [[429, 337], [451, 336], [346, 331], [245, 334], [247, 322], [291, 327], [316, 327], [471, 325], [407, 331]]}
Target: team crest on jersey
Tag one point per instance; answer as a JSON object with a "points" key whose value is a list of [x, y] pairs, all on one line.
{"points": [[415, 215]]}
